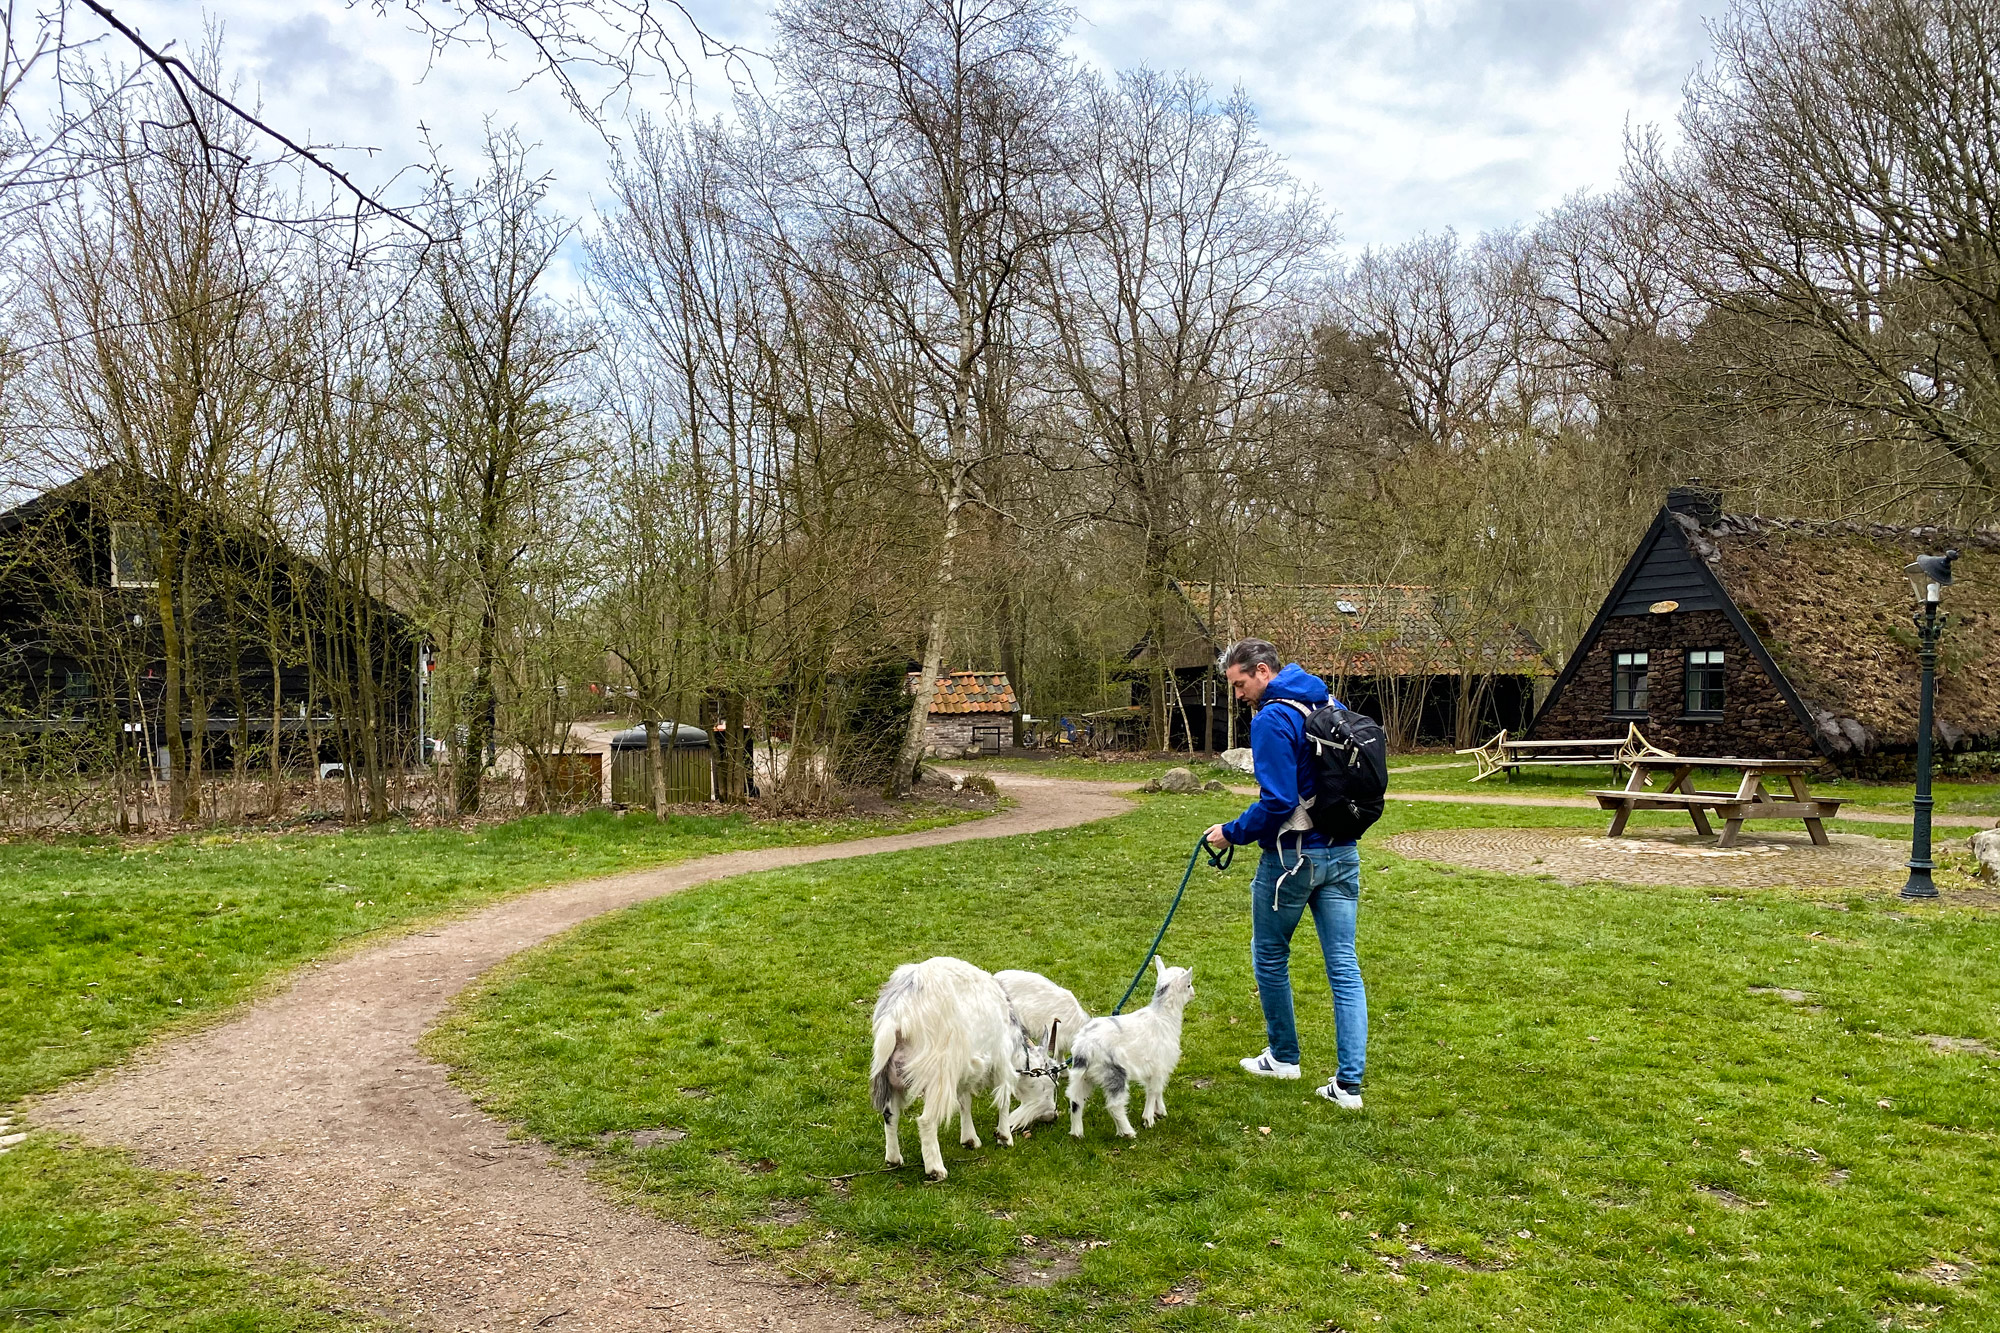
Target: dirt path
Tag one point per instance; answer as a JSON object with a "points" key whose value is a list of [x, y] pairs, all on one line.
{"points": [[314, 1115]]}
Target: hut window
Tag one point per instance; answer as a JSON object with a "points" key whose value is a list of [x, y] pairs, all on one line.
{"points": [[135, 555], [78, 687], [1704, 680], [1628, 683]]}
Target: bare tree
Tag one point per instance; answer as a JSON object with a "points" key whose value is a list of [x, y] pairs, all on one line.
{"points": [[1444, 318], [502, 435], [157, 296], [926, 133], [1177, 311], [1837, 198]]}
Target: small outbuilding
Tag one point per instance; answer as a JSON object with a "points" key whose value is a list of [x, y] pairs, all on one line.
{"points": [[972, 712], [1771, 638], [686, 753]]}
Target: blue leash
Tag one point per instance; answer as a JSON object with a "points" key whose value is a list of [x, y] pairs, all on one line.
{"points": [[1220, 860]]}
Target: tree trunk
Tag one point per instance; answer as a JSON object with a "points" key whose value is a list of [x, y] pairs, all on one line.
{"points": [[479, 711], [937, 625], [656, 767], [170, 694]]}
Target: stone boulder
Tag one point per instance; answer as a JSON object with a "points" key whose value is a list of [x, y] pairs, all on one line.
{"points": [[1180, 781], [1213, 784], [1986, 846], [1239, 759]]}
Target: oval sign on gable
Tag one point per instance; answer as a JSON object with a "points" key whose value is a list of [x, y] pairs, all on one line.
{"points": [[1661, 608]]}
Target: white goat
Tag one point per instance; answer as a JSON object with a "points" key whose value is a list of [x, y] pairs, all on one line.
{"points": [[1043, 1007], [1143, 1047], [945, 1031]]}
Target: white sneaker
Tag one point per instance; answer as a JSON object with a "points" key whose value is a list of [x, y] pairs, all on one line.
{"points": [[1339, 1096], [1268, 1066]]}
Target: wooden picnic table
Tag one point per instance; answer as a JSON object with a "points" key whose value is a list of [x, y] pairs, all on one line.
{"points": [[1749, 801]]}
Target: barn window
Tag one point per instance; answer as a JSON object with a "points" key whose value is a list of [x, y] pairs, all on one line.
{"points": [[1628, 683], [135, 555], [1704, 680]]}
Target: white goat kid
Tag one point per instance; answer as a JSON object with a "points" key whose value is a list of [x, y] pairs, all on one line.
{"points": [[1113, 1052], [944, 1032], [1043, 1007]]}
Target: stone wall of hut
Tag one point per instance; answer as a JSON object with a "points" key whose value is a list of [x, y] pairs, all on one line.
{"points": [[1756, 721]]}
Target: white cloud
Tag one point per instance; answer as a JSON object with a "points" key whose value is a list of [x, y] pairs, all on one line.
{"points": [[1407, 114]]}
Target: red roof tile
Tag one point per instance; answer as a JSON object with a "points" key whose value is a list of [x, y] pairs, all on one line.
{"points": [[972, 692]]}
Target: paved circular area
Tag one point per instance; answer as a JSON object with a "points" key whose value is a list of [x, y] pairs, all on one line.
{"points": [[1660, 857]]}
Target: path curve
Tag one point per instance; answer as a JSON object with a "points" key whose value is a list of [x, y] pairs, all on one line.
{"points": [[313, 1113]]}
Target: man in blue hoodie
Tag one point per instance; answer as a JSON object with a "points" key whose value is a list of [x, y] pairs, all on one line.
{"points": [[1299, 870]]}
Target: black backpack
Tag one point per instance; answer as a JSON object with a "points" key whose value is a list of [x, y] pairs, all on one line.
{"points": [[1350, 769]]}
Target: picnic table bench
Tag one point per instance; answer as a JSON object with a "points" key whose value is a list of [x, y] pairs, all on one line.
{"points": [[1503, 754], [1749, 801]]}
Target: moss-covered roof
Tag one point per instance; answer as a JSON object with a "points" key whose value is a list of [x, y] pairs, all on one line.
{"points": [[1832, 606], [1369, 629]]}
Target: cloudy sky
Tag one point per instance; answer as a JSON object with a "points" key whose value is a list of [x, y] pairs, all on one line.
{"points": [[1407, 116]]}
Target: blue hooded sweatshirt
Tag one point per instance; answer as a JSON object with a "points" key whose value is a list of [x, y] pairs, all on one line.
{"points": [[1283, 762]]}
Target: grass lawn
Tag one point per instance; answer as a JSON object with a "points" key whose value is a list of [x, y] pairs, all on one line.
{"points": [[1581, 1115], [90, 1242], [103, 946]]}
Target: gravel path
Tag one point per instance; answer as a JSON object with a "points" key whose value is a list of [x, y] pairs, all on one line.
{"points": [[1666, 857], [314, 1115]]}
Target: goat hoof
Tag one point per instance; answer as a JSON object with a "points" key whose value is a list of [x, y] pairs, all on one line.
{"points": [[938, 1174], [1128, 1133]]}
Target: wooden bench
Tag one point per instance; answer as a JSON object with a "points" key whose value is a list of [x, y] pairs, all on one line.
{"points": [[1503, 755], [1749, 801]]}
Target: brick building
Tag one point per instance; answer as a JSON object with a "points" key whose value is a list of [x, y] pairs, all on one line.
{"points": [[971, 711], [1751, 637]]}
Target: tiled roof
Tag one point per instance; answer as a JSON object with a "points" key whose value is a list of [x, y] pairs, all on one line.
{"points": [[1369, 629], [972, 692]]}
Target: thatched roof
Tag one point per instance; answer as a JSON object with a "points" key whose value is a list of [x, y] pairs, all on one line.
{"points": [[1832, 606], [1368, 629]]}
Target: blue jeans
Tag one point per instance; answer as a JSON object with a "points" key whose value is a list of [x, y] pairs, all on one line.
{"points": [[1329, 883]]}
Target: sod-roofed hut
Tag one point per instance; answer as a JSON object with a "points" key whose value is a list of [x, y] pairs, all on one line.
{"points": [[1755, 637]]}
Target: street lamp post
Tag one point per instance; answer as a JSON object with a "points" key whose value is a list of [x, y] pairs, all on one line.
{"points": [[1929, 575]]}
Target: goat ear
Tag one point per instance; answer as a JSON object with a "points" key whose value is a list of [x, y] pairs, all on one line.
{"points": [[1160, 964]]}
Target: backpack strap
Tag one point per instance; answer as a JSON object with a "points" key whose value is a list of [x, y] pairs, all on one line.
{"points": [[1301, 819]]}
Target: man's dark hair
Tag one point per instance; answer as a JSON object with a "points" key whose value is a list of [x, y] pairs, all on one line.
{"points": [[1251, 654]]}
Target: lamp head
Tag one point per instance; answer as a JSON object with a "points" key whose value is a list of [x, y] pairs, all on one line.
{"points": [[1930, 573]]}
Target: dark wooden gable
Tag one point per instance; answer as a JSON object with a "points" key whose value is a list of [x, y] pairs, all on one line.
{"points": [[1664, 568]]}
